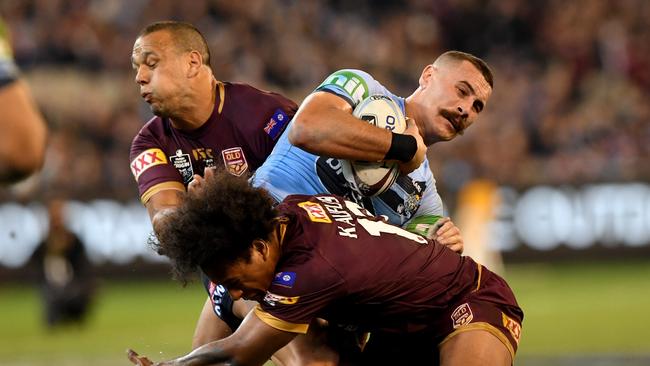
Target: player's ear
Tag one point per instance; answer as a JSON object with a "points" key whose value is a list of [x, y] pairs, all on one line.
{"points": [[262, 247], [195, 61], [427, 75]]}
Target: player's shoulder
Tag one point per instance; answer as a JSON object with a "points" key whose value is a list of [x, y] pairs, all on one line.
{"points": [[153, 127], [150, 135], [353, 85], [239, 90]]}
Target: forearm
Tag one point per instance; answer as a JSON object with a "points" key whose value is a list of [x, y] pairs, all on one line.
{"points": [[325, 126], [209, 354]]}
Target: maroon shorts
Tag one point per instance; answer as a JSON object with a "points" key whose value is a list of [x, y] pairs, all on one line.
{"points": [[491, 306]]}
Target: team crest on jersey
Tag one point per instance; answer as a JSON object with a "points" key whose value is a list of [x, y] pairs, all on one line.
{"points": [[276, 124], [235, 160], [513, 326], [273, 299], [284, 279], [315, 211], [462, 315], [147, 159], [183, 164]]}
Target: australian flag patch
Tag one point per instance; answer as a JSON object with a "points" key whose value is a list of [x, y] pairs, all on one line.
{"points": [[284, 279], [276, 124]]}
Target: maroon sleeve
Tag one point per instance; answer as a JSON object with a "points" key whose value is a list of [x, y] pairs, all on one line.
{"points": [[150, 165]]}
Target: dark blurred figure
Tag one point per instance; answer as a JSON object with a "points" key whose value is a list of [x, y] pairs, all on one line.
{"points": [[63, 271]]}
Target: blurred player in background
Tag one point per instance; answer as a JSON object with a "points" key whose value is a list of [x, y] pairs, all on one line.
{"points": [[199, 123], [451, 93], [64, 274], [321, 256], [23, 136]]}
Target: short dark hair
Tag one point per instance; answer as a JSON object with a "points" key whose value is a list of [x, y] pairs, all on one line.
{"points": [[186, 36], [216, 226], [481, 65]]}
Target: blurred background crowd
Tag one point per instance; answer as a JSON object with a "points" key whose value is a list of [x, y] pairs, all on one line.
{"points": [[569, 104]]}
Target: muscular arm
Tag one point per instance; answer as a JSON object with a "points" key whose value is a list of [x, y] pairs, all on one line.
{"points": [[162, 203], [209, 327], [324, 125], [22, 141], [252, 344]]}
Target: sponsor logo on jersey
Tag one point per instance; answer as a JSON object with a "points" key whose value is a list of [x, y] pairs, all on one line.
{"points": [[216, 296], [276, 124], [273, 299], [462, 315], [315, 211], [235, 160], [513, 326], [147, 159], [353, 85], [183, 164], [284, 279]]}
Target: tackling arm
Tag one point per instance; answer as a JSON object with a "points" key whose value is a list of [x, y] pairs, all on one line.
{"points": [[252, 344]]}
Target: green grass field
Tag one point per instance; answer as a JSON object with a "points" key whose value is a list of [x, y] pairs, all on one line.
{"points": [[573, 312]]}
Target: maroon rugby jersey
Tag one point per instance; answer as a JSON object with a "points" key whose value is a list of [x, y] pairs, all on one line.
{"points": [[240, 133], [335, 266]]}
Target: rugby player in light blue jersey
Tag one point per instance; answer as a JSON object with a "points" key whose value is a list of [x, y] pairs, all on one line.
{"points": [[451, 93]]}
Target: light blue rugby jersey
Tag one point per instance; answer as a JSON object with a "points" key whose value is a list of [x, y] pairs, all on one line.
{"points": [[291, 170]]}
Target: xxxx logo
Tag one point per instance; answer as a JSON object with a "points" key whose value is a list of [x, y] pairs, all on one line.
{"points": [[146, 160]]}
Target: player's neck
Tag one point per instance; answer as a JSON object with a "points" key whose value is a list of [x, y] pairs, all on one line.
{"points": [[411, 110], [197, 110]]}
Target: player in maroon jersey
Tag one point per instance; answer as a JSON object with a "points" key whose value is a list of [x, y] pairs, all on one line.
{"points": [[323, 257], [199, 122]]}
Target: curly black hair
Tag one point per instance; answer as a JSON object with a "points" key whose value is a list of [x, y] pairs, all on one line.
{"points": [[216, 225]]}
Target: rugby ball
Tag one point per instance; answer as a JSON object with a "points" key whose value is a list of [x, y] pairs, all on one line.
{"points": [[373, 178]]}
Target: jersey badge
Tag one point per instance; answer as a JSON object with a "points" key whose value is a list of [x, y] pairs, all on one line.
{"points": [[284, 279], [315, 211], [235, 160], [183, 164], [276, 124], [462, 315], [273, 299], [147, 159], [513, 326]]}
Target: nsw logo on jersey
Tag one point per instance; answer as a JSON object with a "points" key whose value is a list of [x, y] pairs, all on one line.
{"points": [[147, 159], [235, 160], [276, 124], [217, 293], [284, 279], [347, 84], [183, 163], [315, 212]]}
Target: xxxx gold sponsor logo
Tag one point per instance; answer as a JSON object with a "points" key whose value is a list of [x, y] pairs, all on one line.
{"points": [[273, 299], [315, 211], [513, 326], [462, 315], [147, 159]]}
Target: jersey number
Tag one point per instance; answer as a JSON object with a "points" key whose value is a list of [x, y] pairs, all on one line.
{"points": [[375, 228]]}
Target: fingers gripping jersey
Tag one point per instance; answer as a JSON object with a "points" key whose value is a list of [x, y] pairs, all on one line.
{"points": [[8, 69], [291, 170], [239, 135]]}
